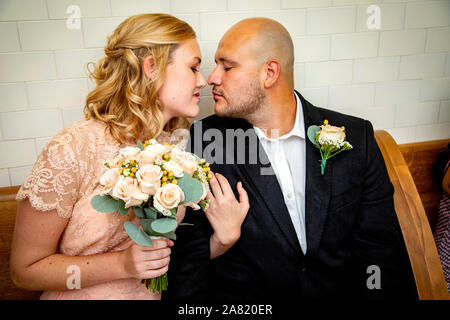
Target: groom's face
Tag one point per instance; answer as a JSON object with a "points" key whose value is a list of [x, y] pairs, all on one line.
{"points": [[237, 89]]}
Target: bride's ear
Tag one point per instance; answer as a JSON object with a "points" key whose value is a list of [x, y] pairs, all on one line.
{"points": [[149, 67]]}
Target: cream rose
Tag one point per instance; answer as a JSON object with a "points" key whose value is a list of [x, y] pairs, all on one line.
{"points": [[149, 177], [157, 149], [168, 197], [147, 157], [129, 191], [174, 167], [108, 180], [331, 135], [115, 162], [185, 160], [130, 153]]}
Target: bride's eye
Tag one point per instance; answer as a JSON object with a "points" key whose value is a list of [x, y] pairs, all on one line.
{"points": [[195, 69]]}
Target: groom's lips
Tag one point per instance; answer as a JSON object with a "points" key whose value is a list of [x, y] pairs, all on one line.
{"points": [[216, 95]]}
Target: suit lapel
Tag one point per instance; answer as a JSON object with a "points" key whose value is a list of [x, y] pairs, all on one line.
{"points": [[318, 186], [270, 192]]}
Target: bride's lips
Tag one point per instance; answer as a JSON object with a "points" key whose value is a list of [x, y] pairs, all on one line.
{"points": [[197, 96]]}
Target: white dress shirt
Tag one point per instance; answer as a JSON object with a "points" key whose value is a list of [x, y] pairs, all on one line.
{"points": [[287, 155]]}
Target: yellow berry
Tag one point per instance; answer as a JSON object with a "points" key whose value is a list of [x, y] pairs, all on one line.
{"points": [[132, 174], [133, 169], [166, 156], [325, 122], [207, 164], [208, 169], [163, 184], [164, 178], [165, 172], [205, 169], [175, 181], [210, 175], [202, 160], [131, 161], [170, 174], [343, 128], [120, 171]]}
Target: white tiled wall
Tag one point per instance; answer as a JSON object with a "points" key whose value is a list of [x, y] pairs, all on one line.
{"points": [[397, 76]]}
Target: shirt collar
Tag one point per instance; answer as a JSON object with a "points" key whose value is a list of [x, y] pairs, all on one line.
{"points": [[299, 125]]}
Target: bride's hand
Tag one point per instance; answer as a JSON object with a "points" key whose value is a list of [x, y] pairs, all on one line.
{"points": [[225, 213]]}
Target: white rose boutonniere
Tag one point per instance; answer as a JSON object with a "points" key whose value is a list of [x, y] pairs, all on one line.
{"points": [[330, 141]]}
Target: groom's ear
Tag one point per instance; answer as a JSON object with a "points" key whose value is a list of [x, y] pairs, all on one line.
{"points": [[271, 73], [149, 67]]}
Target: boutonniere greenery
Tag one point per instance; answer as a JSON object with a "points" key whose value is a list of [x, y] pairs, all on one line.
{"points": [[330, 141]]}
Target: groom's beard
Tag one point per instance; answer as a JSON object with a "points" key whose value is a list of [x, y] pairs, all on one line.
{"points": [[243, 102]]}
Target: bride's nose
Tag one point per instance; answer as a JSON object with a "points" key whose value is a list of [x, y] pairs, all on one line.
{"points": [[201, 81]]}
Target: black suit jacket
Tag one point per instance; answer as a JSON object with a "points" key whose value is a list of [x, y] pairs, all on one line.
{"points": [[349, 213]]}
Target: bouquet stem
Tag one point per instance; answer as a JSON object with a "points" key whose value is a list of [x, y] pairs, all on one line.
{"points": [[158, 284]]}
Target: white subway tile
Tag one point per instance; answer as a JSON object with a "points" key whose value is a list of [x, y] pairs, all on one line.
{"points": [[208, 50], [9, 38], [380, 117], [396, 92], [438, 40], [444, 111], [58, 93], [422, 66], [96, 30], [354, 45], [27, 66], [328, 73], [402, 42], [73, 63], [447, 69], [316, 96], [435, 89], [198, 5], [354, 2], [131, 7], [312, 48], [48, 35], [428, 14], [416, 114], [13, 97], [71, 115], [403, 135], [214, 25], [433, 132], [357, 95], [290, 4], [193, 19], [293, 20], [392, 17], [31, 124], [23, 10], [41, 143], [4, 178], [299, 75], [253, 5], [331, 20], [376, 69], [19, 174], [57, 9], [17, 153]]}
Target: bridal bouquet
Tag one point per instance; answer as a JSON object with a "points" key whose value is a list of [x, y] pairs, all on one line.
{"points": [[153, 179]]}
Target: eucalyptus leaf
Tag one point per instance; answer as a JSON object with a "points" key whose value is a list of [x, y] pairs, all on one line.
{"points": [[312, 131], [123, 210], [104, 204], [147, 225], [139, 212], [192, 188], [151, 213], [164, 225], [137, 235], [140, 145]]}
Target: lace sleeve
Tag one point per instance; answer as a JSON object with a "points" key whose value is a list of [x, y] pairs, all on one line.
{"points": [[54, 181]]}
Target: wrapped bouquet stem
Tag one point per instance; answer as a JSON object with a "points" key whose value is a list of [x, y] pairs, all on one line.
{"points": [[153, 180]]}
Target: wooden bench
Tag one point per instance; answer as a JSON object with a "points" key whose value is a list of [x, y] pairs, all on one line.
{"points": [[416, 200]]}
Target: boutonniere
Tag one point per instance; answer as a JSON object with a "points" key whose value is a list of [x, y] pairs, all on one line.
{"points": [[330, 141]]}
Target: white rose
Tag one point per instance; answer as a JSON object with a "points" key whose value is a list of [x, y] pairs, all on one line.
{"points": [[128, 190], [149, 177], [331, 135], [157, 149], [108, 180], [130, 153], [185, 160], [168, 197], [147, 157], [115, 162], [174, 167]]}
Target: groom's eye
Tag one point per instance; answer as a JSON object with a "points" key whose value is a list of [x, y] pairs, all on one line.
{"points": [[227, 69]]}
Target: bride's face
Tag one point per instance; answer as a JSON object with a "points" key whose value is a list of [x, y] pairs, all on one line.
{"points": [[180, 92]]}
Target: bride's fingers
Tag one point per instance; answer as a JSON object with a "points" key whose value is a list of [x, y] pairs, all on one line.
{"points": [[243, 196]]}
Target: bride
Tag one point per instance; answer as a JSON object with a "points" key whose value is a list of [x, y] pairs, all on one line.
{"points": [[147, 85]]}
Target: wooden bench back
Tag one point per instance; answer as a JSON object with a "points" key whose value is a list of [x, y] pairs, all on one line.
{"points": [[404, 163]]}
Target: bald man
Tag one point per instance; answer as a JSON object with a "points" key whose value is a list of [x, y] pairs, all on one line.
{"points": [[306, 235]]}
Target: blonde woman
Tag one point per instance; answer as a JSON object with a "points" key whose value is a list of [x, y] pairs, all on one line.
{"points": [[147, 84]]}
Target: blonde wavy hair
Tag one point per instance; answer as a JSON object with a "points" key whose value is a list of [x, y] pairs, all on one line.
{"points": [[125, 99]]}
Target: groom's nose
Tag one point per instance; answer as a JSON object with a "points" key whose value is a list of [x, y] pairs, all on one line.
{"points": [[215, 77]]}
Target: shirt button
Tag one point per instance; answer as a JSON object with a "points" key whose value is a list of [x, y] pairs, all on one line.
{"points": [[280, 158], [290, 195]]}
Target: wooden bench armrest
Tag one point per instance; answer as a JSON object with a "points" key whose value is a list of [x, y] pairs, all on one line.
{"points": [[417, 234]]}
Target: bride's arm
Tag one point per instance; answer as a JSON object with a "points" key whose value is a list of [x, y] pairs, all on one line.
{"points": [[35, 263]]}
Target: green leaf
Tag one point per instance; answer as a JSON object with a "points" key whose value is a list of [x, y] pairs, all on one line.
{"points": [[312, 131], [138, 212], [170, 235], [164, 225], [151, 213], [140, 145], [147, 225], [137, 235], [123, 210], [104, 204], [192, 188]]}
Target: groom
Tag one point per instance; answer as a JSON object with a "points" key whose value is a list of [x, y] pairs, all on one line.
{"points": [[306, 235]]}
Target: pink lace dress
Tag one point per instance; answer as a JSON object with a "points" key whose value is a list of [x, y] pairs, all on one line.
{"points": [[65, 177]]}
